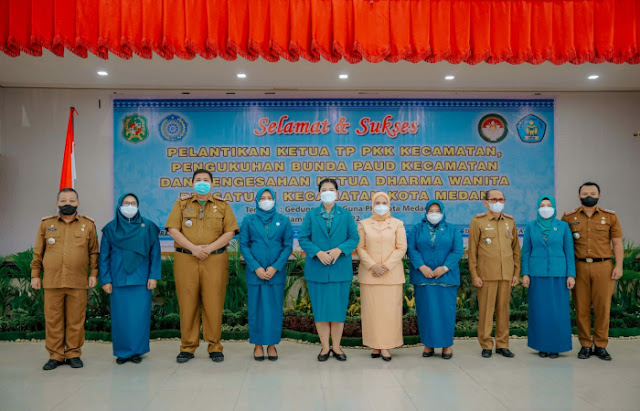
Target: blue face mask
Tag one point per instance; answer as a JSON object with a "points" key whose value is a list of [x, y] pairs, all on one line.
{"points": [[202, 187]]}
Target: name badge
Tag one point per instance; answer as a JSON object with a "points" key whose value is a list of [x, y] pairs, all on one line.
{"points": [[52, 229]]}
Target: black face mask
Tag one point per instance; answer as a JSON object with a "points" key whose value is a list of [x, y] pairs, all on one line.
{"points": [[68, 209], [589, 201]]}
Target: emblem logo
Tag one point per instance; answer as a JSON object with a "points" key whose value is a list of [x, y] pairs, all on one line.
{"points": [[135, 128], [493, 128], [173, 128], [531, 129]]}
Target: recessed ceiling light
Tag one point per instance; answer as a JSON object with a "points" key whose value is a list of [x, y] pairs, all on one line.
{"points": [[343, 76], [449, 77], [242, 75], [593, 77], [103, 73]]}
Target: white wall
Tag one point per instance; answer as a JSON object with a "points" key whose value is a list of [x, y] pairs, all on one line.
{"points": [[594, 134]]}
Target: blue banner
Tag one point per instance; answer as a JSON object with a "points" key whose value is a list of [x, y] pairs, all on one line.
{"points": [[413, 149]]}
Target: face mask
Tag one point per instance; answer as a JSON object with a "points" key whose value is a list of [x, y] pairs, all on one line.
{"points": [[266, 205], [546, 212], [434, 218], [328, 197], [381, 209], [496, 207], [589, 201], [202, 187], [129, 210], [68, 209]]}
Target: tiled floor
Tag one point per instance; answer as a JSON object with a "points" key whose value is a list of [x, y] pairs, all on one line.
{"points": [[298, 382]]}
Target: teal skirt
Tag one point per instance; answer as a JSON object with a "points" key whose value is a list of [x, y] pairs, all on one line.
{"points": [[329, 300]]}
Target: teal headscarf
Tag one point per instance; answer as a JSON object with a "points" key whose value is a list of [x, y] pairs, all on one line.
{"points": [[433, 229], [546, 224], [265, 216], [134, 236]]}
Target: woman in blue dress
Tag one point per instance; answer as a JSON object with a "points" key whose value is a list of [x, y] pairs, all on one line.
{"points": [[266, 241], [329, 235], [129, 269], [548, 271], [434, 248]]}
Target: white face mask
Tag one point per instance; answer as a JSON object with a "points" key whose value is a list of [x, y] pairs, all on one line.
{"points": [[266, 205], [328, 197], [129, 211], [546, 212], [434, 218], [381, 209], [496, 207]]}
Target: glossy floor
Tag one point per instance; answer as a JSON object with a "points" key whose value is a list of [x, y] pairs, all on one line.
{"points": [[297, 381]]}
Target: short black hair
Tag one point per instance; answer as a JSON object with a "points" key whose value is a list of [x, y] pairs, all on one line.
{"points": [[202, 171], [328, 180], [589, 183], [68, 190], [486, 193]]}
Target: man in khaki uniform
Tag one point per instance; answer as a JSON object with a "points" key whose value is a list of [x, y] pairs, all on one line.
{"points": [[66, 248], [494, 264], [594, 229], [201, 226]]}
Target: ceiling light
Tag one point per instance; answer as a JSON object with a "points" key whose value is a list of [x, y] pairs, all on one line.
{"points": [[103, 73], [242, 75], [343, 76], [593, 77], [449, 77]]}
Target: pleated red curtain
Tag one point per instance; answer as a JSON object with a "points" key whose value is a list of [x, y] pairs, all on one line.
{"points": [[471, 31]]}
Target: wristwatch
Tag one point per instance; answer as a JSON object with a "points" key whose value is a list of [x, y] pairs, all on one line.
{"points": [[446, 269]]}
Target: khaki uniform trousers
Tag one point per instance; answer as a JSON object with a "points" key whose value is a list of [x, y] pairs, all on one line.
{"points": [[494, 296], [65, 310], [201, 287], [594, 288]]}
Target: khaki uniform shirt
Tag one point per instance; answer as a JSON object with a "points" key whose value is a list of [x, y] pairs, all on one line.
{"points": [[592, 235], [202, 224], [66, 251], [494, 248]]}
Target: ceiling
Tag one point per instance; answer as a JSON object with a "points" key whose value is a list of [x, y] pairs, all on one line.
{"points": [[200, 74]]}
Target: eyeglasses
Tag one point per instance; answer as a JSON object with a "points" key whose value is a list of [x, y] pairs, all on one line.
{"points": [[496, 200], [130, 203]]}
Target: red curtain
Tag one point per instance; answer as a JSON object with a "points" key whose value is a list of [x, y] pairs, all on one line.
{"points": [[471, 31]]}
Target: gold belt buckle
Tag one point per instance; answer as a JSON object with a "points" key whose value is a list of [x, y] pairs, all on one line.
{"points": [[589, 260]]}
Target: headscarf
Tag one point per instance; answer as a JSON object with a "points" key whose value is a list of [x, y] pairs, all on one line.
{"points": [[375, 215], [426, 211], [135, 236], [265, 216], [546, 224]]}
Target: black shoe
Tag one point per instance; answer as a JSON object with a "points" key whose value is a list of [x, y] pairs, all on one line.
{"points": [[543, 354], [339, 357], [553, 355], [427, 354], [447, 356], [75, 362], [272, 357], [585, 352], [505, 352], [136, 359], [216, 356], [324, 357], [487, 353], [602, 353], [121, 360], [375, 355], [184, 357], [386, 358], [258, 357], [52, 365]]}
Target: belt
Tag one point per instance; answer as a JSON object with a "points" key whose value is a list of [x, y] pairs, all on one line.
{"points": [[593, 260], [218, 251]]}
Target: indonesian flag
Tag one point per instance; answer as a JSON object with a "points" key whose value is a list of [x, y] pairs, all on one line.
{"points": [[68, 175]]}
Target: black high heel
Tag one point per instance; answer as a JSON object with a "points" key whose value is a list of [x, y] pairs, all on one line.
{"points": [[256, 357], [272, 357]]}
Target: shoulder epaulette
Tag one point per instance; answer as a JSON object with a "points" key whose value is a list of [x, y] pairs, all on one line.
{"points": [[608, 211], [219, 199], [481, 215], [48, 217], [508, 216], [89, 218], [571, 211], [186, 196]]}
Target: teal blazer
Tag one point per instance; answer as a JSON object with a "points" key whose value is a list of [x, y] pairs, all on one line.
{"points": [[553, 258], [314, 238], [260, 249]]}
